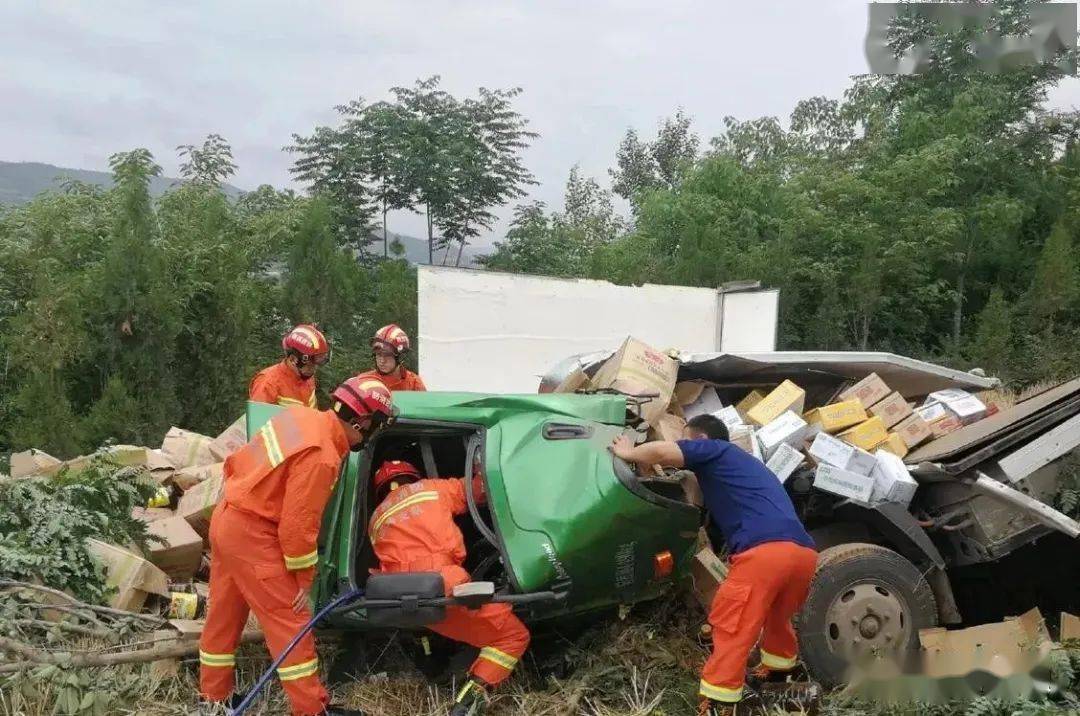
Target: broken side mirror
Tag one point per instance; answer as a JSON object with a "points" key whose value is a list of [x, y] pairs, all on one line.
{"points": [[473, 595]]}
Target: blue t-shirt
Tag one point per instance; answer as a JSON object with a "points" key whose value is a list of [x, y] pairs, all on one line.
{"points": [[744, 499]]}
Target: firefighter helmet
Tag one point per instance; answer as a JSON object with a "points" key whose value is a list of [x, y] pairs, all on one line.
{"points": [[391, 470], [392, 337]]}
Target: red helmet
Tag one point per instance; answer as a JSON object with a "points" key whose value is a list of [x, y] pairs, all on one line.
{"points": [[363, 398], [392, 469], [307, 340], [393, 338]]}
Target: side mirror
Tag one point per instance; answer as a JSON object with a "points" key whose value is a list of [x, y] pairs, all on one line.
{"points": [[473, 595], [407, 589]]}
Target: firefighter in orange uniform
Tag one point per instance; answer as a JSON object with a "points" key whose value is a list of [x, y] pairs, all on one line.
{"points": [[263, 538], [388, 348], [292, 381], [413, 530]]}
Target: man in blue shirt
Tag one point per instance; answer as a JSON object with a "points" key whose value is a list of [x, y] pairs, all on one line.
{"points": [[772, 557]]}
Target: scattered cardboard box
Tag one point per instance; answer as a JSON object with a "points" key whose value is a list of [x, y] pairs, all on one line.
{"points": [[933, 411], [1013, 646], [895, 444], [941, 428], [913, 430], [197, 505], [32, 462], [152, 514], [231, 439], [707, 403], [577, 380], [838, 416], [730, 417], [189, 477], [132, 576], [787, 429], [960, 403], [120, 455], [187, 449], [707, 571], [743, 438], [892, 481], [669, 428], [787, 396], [830, 450], [687, 392], [867, 391], [745, 405], [639, 369], [1070, 627], [891, 410], [785, 461], [165, 668], [181, 553], [159, 466], [867, 434], [852, 485]]}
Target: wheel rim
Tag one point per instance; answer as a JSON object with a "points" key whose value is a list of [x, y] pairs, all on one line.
{"points": [[867, 621]]}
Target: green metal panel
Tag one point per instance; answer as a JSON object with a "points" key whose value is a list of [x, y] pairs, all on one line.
{"points": [[488, 410]]}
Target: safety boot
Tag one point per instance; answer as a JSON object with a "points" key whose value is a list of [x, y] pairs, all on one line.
{"points": [[761, 674], [470, 700], [749, 705]]}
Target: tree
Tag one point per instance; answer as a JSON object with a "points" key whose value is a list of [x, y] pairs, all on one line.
{"points": [[991, 347], [659, 164], [209, 165], [380, 132], [1056, 284]]}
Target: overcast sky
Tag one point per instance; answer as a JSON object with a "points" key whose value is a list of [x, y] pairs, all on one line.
{"points": [[82, 80]]}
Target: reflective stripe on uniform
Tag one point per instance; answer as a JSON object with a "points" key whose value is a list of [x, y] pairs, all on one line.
{"points": [[720, 693], [208, 659], [302, 562], [311, 401], [298, 671], [778, 662], [469, 686], [499, 658], [290, 401], [273, 447], [406, 503]]}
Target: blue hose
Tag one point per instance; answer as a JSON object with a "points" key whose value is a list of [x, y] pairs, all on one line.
{"points": [[269, 673]]}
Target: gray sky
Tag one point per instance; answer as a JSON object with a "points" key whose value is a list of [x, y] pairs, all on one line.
{"points": [[82, 80]]}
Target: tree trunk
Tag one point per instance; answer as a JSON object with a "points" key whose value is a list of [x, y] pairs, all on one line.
{"points": [[958, 302], [430, 238], [446, 254], [460, 248], [385, 241]]}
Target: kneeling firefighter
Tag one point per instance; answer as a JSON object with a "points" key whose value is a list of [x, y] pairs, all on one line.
{"points": [[413, 530], [263, 539]]}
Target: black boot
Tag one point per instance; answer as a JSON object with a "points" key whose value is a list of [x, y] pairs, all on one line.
{"points": [[470, 700]]}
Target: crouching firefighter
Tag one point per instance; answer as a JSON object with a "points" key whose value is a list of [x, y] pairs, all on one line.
{"points": [[292, 381], [263, 539], [413, 530], [773, 560]]}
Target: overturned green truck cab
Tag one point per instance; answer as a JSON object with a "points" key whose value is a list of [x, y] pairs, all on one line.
{"points": [[562, 515]]}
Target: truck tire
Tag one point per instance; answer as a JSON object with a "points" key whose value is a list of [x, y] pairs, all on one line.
{"points": [[865, 600]]}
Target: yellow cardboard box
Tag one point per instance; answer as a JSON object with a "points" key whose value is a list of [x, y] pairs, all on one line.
{"points": [[786, 396], [894, 444], [866, 435], [838, 416], [132, 576], [752, 398]]}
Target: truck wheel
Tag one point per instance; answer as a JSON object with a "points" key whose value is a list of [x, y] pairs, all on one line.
{"points": [[865, 601]]}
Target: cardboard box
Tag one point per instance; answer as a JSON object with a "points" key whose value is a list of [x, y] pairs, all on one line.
{"points": [[785, 461], [787, 429], [838, 416], [637, 369], [152, 514], [745, 405], [941, 428], [852, 485], [1013, 646], [32, 462], [159, 466], [121, 455], [132, 576], [707, 571], [787, 396], [867, 391], [687, 392], [189, 477], [895, 444], [669, 428], [707, 403], [1070, 627], [891, 410], [744, 439], [892, 481], [830, 450], [197, 505], [180, 555], [933, 411], [731, 418], [231, 439], [577, 380], [913, 430], [187, 449], [867, 434]]}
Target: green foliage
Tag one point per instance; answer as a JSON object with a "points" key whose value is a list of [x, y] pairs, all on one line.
{"points": [[45, 522]]}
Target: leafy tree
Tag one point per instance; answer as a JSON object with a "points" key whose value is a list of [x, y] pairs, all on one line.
{"points": [[991, 347], [1056, 284], [210, 165], [659, 164]]}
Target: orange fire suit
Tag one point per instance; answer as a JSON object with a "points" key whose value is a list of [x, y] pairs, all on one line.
{"points": [[263, 550], [413, 530], [280, 384], [766, 586], [400, 379]]}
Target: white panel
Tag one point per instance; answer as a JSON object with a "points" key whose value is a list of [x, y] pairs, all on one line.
{"points": [[749, 321], [1042, 451], [495, 332]]}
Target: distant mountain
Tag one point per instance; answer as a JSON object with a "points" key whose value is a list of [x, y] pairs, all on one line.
{"points": [[416, 250], [22, 181]]}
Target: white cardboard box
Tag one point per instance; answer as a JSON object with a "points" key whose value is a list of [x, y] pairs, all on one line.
{"points": [[707, 402], [961, 403], [892, 481], [837, 481], [834, 451], [784, 462], [788, 429], [730, 417]]}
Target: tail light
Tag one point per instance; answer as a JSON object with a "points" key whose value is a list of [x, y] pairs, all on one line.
{"points": [[663, 565]]}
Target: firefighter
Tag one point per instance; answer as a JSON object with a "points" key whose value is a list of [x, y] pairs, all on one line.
{"points": [[263, 538], [772, 560], [389, 346], [413, 530], [292, 381]]}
